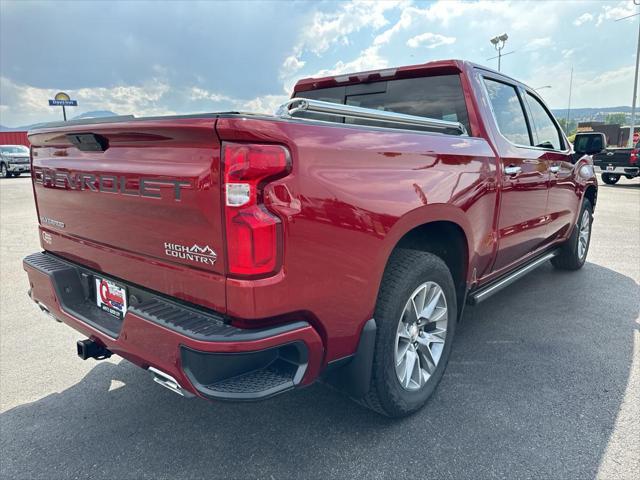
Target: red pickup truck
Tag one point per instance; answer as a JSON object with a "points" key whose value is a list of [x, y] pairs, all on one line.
{"points": [[237, 256]]}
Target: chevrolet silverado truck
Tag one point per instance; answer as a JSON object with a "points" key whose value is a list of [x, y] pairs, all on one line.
{"points": [[613, 163], [237, 256]]}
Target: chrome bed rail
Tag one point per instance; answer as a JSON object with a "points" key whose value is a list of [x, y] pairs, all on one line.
{"points": [[297, 105]]}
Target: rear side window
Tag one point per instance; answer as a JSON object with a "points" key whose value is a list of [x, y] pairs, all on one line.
{"points": [[508, 111], [439, 97], [545, 132]]}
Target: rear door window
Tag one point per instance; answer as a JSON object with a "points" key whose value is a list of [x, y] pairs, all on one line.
{"points": [[508, 112]]}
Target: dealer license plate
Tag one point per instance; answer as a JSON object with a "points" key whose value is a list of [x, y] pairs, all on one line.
{"points": [[111, 297]]}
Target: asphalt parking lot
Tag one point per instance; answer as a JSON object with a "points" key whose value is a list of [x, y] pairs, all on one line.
{"points": [[544, 382]]}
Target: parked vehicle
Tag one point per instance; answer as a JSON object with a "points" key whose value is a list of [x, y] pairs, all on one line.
{"points": [[613, 163], [14, 160], [237, 256]]}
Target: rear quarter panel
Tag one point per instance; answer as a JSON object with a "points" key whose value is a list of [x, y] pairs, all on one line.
{"points": [[352, 194]]}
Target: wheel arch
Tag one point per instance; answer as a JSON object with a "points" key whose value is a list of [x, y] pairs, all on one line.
{"points": [[445, 232]]}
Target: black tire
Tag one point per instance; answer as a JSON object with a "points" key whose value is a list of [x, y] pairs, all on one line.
{"points": [[610, 179], [407, 270], [569, 257], [4, 173], [630, 177], [16, 174]]}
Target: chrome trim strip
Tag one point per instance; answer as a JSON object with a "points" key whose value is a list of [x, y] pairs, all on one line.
{"points": [[296, 105], [617, 170], [485, 293]]}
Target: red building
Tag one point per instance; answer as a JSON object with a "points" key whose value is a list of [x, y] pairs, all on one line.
{"points": [[14, 138]]}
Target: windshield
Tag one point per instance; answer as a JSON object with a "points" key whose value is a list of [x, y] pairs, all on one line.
{"points": [[15, 149]]}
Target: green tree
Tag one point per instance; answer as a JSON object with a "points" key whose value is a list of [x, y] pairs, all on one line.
{"points": [[619, 118], [569, 129]]}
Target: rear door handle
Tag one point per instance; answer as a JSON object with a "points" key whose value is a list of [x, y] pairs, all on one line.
{"points": [[554, 168], [512, 170]]}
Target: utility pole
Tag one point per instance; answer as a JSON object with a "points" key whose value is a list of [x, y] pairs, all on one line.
{"points": [[635, 79], [635, 93], [569, 106]]}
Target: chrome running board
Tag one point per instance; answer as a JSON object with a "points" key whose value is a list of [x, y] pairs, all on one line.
{"points": [[487, 291]]}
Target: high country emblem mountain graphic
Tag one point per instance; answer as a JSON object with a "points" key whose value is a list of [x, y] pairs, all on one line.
{"points": [[206, 250]]}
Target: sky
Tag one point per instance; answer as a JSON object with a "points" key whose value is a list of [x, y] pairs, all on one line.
{"points": [[135, 57]]}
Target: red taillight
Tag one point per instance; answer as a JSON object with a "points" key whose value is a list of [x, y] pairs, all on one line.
{"points": [[634, 156], [253, 232]]}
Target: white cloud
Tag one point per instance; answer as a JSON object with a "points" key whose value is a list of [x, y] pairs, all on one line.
{"points": [[584, 18], [590, 88], [27, 104], [346, 37], [327, 29], [261, 104], [264, 104], [539, 43], [198, 93], [405, 21], [620, 10], [369, 59], [291, 65], [430, 40]]}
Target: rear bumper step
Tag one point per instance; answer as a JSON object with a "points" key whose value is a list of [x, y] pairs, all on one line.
{"points": [[188, 350]]}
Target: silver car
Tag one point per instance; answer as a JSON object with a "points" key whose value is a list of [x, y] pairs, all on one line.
{"points": [[14, 160]]}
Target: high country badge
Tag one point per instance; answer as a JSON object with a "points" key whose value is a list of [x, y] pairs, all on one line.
{"points": [[195, 253]]}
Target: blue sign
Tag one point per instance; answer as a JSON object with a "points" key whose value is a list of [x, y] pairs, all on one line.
{"points": [[63, 103]]}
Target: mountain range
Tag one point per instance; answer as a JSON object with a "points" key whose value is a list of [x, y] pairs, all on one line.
{"points": [[92, 114]]}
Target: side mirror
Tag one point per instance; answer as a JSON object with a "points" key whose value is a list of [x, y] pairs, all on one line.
{"points": [[589, 143]]}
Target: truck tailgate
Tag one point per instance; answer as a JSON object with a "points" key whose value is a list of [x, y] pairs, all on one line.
{"points": [[137, 200], [616, 157]]}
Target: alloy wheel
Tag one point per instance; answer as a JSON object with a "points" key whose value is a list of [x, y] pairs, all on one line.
{"points": [[421, 335], [584, 234]]}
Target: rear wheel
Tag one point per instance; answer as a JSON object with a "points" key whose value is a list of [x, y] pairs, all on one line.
{"points": [[4, 173], [416, 322], [573, 253], [610, 179]]}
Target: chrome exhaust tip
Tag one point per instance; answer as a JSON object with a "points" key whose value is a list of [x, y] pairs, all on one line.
{"points": [[46, 310], [169, 382]]}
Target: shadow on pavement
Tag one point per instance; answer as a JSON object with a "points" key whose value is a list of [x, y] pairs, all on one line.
{"points": [[533, 388]]}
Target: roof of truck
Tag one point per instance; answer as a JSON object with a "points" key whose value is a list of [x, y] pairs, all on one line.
{"points": [[437, 66]]}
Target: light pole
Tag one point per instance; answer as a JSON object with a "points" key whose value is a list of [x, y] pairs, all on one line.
{"points": [[635, 80], [569, 106], [498, 43]]}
